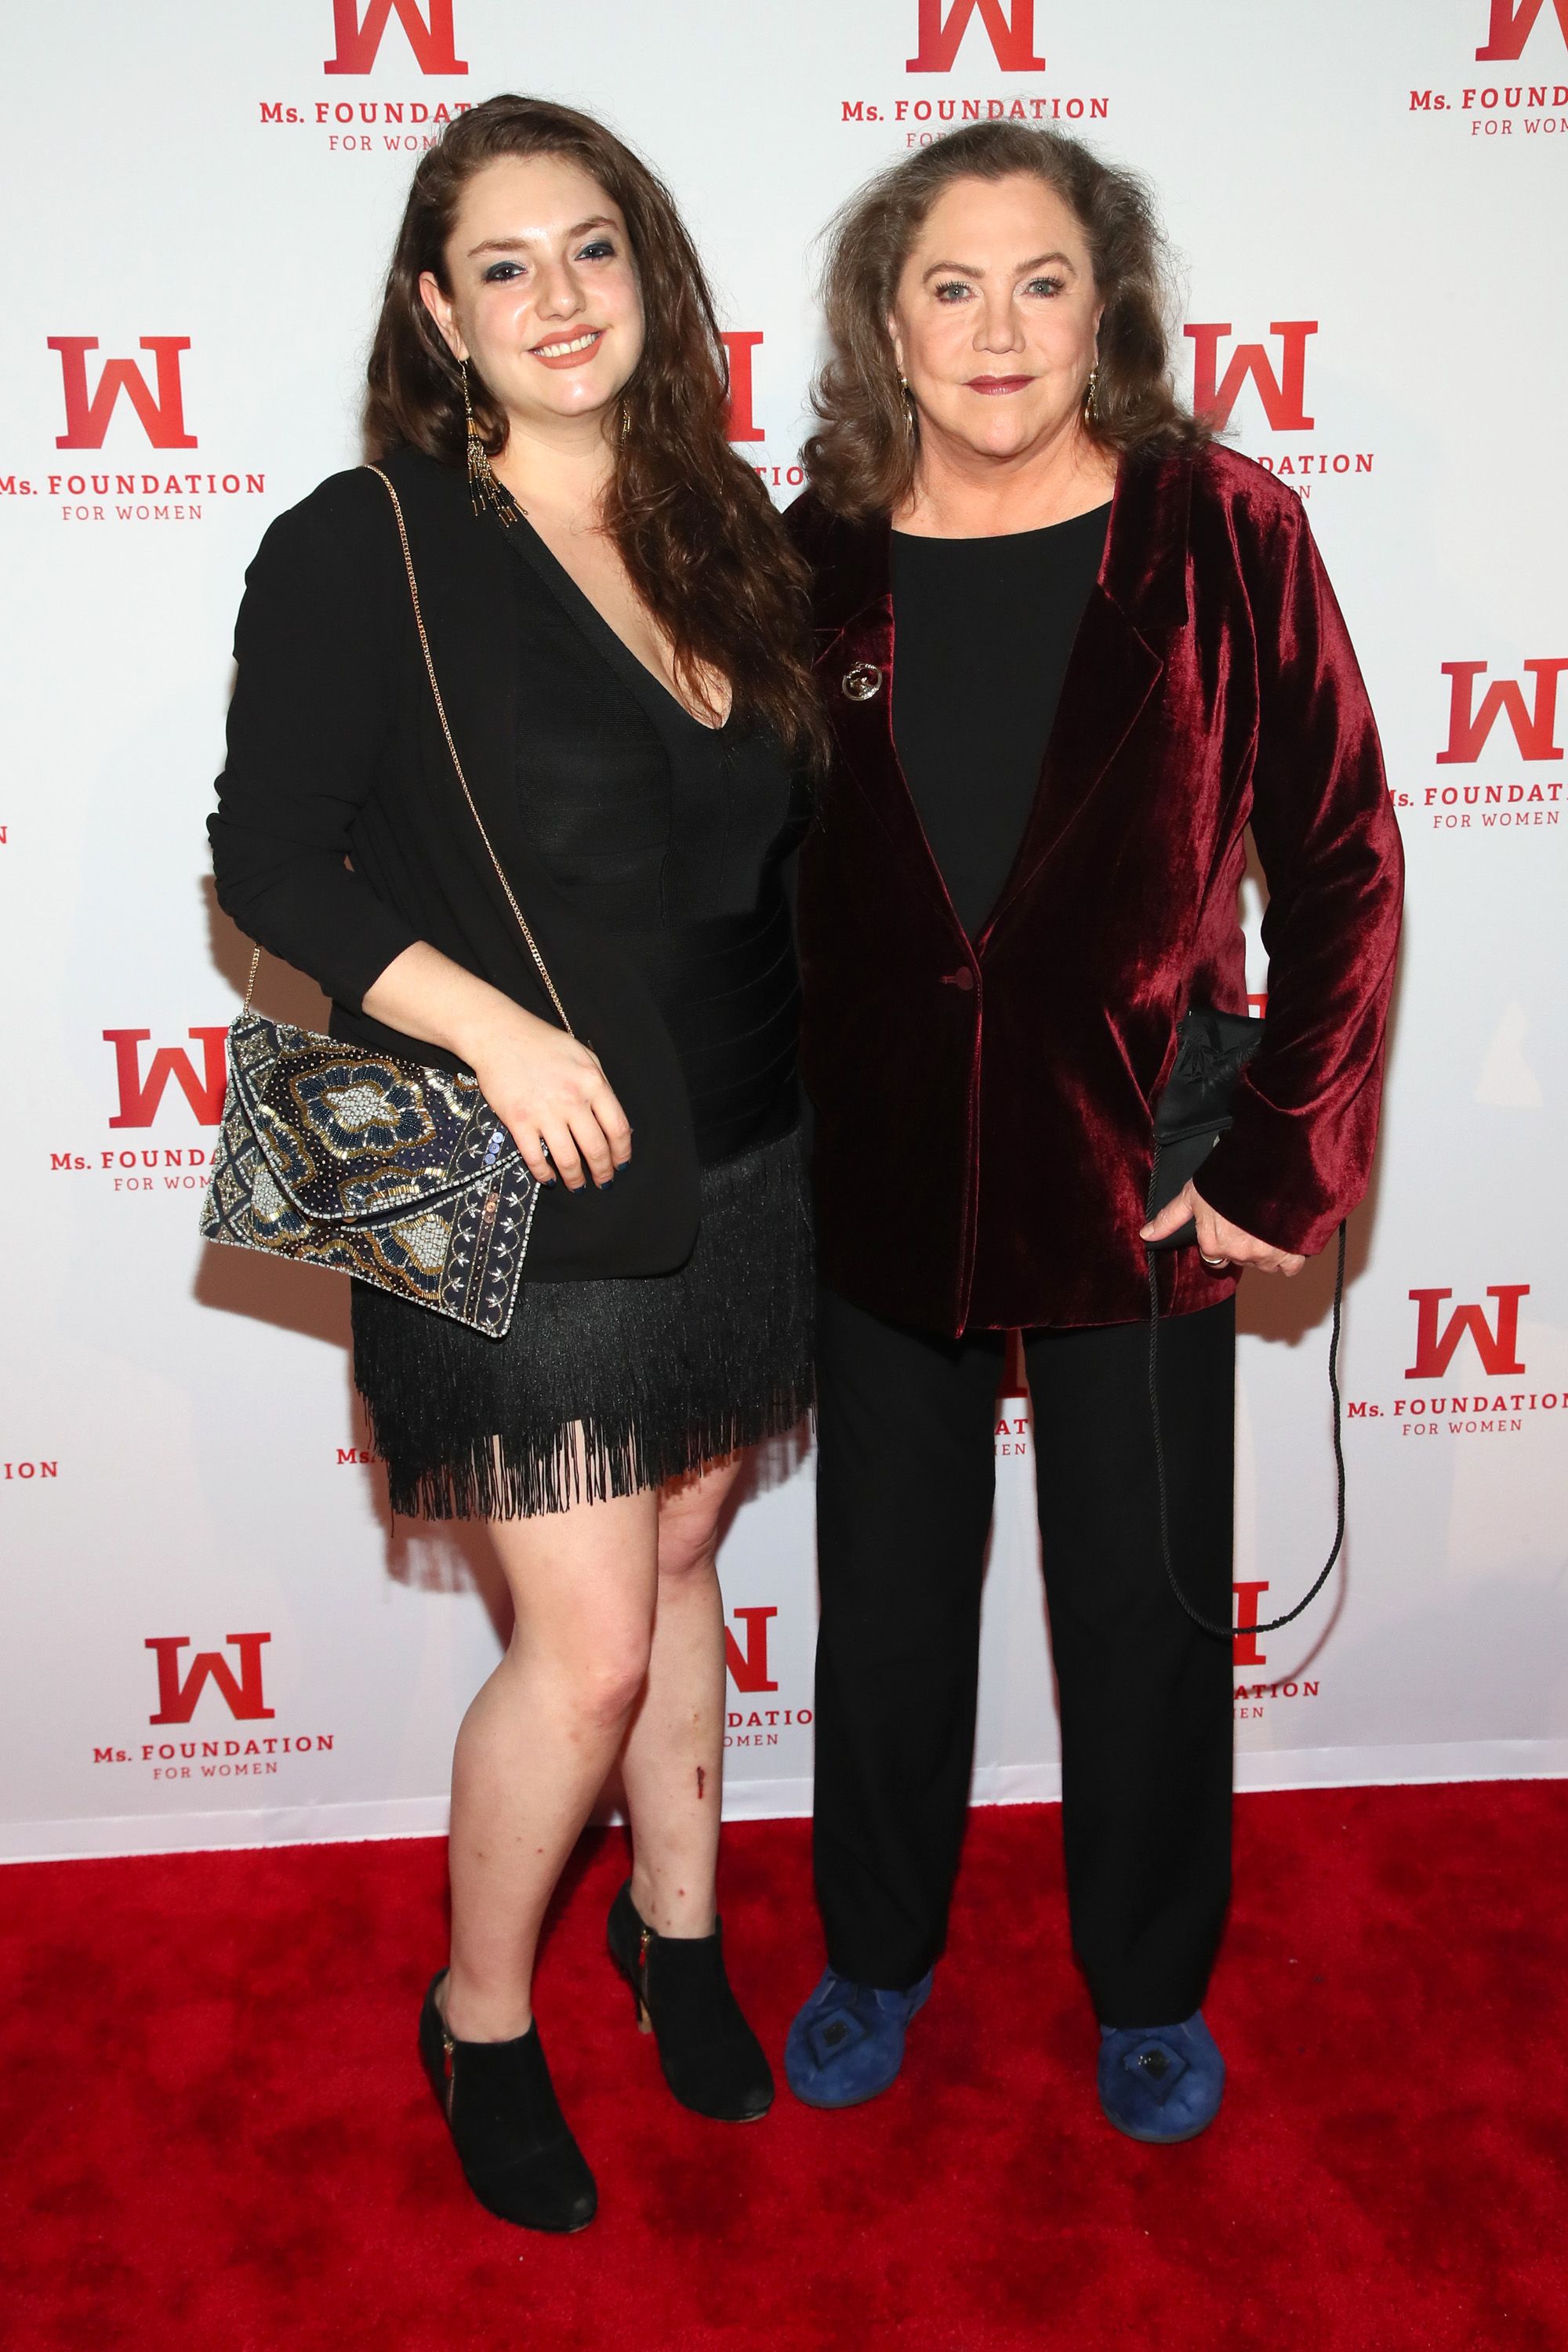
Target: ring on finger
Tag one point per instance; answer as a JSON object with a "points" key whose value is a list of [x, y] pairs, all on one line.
{"points": [[1216, 1262]]}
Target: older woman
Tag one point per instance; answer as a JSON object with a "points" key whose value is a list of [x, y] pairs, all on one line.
{"points": [[1116, 650]]}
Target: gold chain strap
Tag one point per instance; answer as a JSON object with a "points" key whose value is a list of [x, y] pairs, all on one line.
{"points": [[441, 714]]}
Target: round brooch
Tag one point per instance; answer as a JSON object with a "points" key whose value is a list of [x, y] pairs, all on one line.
{"points": [[862, 682]]}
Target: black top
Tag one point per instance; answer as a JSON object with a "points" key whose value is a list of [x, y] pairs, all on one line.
{"points": [[982, 629], [668, 835], [341, 834]]}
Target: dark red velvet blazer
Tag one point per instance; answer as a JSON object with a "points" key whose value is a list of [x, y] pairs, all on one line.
{"points": [[982, 1111]]}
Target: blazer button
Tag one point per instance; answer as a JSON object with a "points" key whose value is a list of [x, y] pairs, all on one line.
{"points": [[961, 979], [862, 682]]}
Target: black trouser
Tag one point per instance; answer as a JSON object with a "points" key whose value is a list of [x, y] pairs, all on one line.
{"points": [[905, 1487]]}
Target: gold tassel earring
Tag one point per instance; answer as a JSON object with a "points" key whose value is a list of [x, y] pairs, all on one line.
{"points": [[484, 490], [1090, 401]]}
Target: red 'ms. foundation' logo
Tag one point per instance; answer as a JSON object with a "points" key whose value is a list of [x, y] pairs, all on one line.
{"points": [[1535, 724], [159, 406], [139, 1095], [430, 36], [1512, 23], [1437, 1340], [1282, 392], [1009, 29], [242, 1694]]}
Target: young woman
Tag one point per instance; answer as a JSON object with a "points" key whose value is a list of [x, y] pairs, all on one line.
{"points": [[615, 623]]}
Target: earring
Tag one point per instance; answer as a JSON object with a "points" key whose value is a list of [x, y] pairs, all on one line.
{"points": [[626, 418], [910, 426], [484, 490], [1091, 402]]}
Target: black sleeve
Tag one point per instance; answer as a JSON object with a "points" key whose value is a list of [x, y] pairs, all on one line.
{"points": [[310, 717]]}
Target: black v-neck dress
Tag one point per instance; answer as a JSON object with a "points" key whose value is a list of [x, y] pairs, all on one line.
{"points": [[669, 836]]}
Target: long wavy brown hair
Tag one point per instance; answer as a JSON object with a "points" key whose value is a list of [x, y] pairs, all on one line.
{"points": [[863, 459], [697, 531]]}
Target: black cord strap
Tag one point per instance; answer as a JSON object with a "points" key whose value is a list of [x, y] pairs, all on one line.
{"points": [[1228, 1631]]}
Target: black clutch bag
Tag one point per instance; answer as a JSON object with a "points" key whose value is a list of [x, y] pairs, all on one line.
{"points": [[1193, 1109], [1193, 1112]]}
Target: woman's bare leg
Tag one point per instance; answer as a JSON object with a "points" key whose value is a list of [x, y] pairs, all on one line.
{"points": [[673, 1763], [539, 1739]]}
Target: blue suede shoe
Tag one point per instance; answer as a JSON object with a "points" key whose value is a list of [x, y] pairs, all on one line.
{"points": [[1161, 2083], [848, 2042]]}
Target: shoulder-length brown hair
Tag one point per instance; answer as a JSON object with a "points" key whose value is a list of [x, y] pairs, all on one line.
{"points": [[862, 461], [697, 531]]}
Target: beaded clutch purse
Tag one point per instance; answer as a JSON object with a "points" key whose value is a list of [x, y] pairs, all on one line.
{"points": [[337, 1156], [378, 1167]]}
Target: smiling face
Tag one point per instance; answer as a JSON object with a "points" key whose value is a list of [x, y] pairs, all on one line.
{"points": [[542, 292], [994, 317]]}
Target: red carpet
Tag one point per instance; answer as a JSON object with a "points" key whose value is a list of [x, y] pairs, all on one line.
{"points": [[217, 2139]]}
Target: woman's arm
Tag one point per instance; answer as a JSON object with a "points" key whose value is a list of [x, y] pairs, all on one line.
{"points": [[548, 1088], [312, 702], [311, 706], [1297, 1159]]}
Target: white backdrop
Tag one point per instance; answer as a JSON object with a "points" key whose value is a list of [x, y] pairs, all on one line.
{"points": [[1368, 202]]}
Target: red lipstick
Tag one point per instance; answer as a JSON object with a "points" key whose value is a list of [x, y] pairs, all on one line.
{"points": [[998, 383]]}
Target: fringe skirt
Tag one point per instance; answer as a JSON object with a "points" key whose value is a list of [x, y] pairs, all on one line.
{"points": [[602, 1388]]}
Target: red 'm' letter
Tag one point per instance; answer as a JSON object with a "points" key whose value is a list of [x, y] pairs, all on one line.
{"points": [[434, 42], [1012, 43]]}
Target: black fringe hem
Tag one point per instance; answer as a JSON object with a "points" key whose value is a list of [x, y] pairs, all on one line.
{"points": [[603, 1389]]}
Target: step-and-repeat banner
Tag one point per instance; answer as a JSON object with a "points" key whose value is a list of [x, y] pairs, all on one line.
{"points": [[213, 1633]]}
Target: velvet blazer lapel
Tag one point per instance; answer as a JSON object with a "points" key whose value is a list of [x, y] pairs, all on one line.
{"points": [[1117, 661], [855, 634], [1116, 664]]}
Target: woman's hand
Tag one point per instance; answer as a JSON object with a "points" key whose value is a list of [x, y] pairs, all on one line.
{"points": [[1220, 1243], [553, 1097], [547, 1088]]}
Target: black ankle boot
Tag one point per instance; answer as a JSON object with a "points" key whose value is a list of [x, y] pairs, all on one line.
{"points": [[711, 2059], [517, 2154]]}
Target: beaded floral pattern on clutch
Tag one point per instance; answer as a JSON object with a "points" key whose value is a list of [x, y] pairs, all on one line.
{"points": [[378, 1167]]}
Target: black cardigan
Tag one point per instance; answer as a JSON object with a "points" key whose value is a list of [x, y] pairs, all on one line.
{"points": [[341, 835]]}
